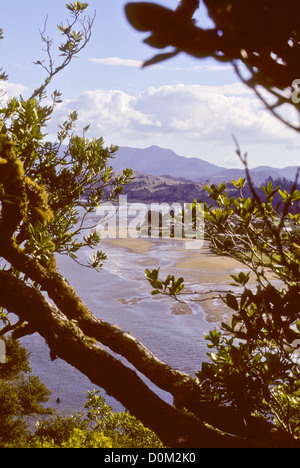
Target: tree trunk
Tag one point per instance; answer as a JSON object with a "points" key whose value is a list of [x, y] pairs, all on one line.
{"points": [[72, 332], [183, 387], [67, 341]]}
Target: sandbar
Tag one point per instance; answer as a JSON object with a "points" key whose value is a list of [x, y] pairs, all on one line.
{"points": [[201, 269], [137, 246], [206, 260]]}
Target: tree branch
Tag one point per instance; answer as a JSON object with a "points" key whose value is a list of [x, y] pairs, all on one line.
{"points": [[68, 52], [183, 387], [68, 327], [66, 340]]}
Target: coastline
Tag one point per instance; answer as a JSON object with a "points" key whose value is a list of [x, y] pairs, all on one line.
{"points": [[121, 294], [201, 269], [136, 246]]}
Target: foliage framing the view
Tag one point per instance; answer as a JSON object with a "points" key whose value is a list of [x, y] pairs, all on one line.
{"points": [[32, 171], [254, 366], [26, 423], [260, 38], [58, 174]]}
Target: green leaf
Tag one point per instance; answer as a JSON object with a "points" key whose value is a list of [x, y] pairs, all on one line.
{"points": [[155, 292], [232, 302], [241, 278], [248, 204]]}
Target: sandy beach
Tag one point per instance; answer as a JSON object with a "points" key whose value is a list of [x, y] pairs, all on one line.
{"points": [[201, 269], [121, 295], [137, 246]]}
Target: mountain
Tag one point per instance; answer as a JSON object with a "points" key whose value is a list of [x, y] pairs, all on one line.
{"points": [[258, 175], [159, 161]]}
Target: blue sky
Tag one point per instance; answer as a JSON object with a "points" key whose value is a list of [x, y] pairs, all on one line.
{"points": [[192, 107]]}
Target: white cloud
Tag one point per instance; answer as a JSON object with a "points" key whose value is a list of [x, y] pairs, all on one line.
{"points": [[203, 114], [12, 89], [203, 68], [117, 62]]}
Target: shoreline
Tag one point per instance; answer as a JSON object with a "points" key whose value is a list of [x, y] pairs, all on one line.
{"points": [[136, 246], [201, 269]]}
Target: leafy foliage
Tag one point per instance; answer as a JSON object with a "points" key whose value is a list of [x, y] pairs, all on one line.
{"points": [[122, 429], [253, 372], [253, 364], [98, 428], [42, 214], [59, 174], [170, 286], [260, 38], [21, 396]]}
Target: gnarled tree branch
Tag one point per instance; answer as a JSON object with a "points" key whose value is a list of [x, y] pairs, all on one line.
{"points": [[69, 327], [67, 341]]}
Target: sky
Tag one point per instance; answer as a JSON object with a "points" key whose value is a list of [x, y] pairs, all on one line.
{"points": [[190, 106]]}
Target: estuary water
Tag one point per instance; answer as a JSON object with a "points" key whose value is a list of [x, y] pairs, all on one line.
{"points": [[121, 295]]}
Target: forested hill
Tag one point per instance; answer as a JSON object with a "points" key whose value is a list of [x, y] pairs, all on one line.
{"points": [[159, 161], [148, 188]]}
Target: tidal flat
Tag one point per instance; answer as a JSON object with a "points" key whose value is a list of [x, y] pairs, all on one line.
{"points": [[120, 294]]}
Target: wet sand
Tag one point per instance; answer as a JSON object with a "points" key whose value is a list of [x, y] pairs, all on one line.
{"points": [[206, 260], [201, 269], [121, 294], [137, 246], [198, 262]]}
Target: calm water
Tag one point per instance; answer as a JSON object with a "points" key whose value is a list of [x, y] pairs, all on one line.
{"points": [[120, 294]]}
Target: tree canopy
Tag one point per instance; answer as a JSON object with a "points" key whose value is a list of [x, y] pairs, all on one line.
{"points": [[260, 38], [41, 184]]}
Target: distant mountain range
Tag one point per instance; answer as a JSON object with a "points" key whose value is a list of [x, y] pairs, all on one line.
{"points": [[159, 161]]}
